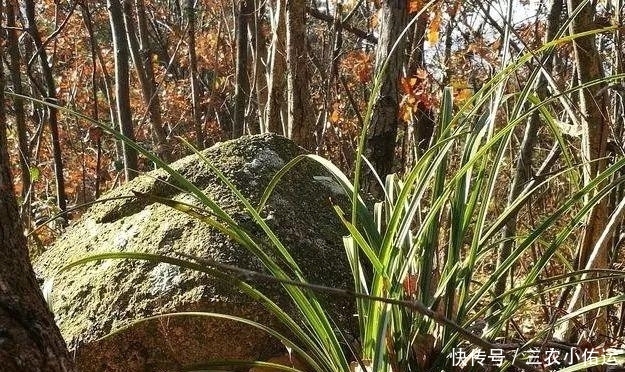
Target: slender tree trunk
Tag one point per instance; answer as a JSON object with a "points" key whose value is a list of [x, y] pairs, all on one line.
{"points": [[84, 9], [258, 44], [420, 130], [449, 41], [30, 340], [382, 133], [122, 89], [242, 86], [96, 53], [141, 58], [300, 113], [417, 42], [523, 171], [195, 88], [276, 82], [618, 114], [61, 199], [594, 118], [334, 60], [18, 103], [97, 138]]}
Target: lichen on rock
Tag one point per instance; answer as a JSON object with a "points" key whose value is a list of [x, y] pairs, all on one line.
{"points": [[96, 298]]}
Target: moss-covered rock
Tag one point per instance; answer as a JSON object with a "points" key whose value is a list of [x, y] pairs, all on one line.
{"points": [[94, 299]]}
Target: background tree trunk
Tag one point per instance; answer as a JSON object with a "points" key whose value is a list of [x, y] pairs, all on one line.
{"points": [[300, 113], [595, 129], [258, 49], [332, 77], [46, 70], [16, 78], [96, 54], [122, 89], [523, 166], [277, 65], [29, 339], [93, 48], [380, 148], [195, 88], [420, 129], [242, 85], [142, 59]]}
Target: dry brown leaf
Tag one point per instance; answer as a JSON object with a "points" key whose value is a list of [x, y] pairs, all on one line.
{"points": [[433, 29]]}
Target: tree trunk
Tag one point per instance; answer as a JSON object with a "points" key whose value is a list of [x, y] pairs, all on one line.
{"points": [[96, 53], [334, 61], [300, 113], [277, 65], [523, 169], [258, 44], [594, 118], [420, 130], [93, 46], [142, 59], [382, 132], [242, 86], [29, 339], [122, 89], [195, 88], [18, 103], [61, 199]]}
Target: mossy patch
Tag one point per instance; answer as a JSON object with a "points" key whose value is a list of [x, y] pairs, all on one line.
{"points": [[99, 297]]}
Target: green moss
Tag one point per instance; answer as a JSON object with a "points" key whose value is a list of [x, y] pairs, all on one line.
{"points": [[95, 299]]}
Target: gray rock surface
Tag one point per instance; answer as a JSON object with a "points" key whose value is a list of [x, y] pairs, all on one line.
{"points": [[94, 299]]}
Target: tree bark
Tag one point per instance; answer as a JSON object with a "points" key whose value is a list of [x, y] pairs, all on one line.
{"points": [[258, 44], [93, 46], [122, 89], [195, 88], [142, 59], [420, 130], [382, 132], [523, 169], [300, 116], [29, 339], [61, 198], [242, 86], [18, 103], [333, 63], [276, 81], [595, 128]]}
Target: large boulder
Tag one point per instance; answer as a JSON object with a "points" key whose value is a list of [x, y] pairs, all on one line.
{"points": [[97, 298]]}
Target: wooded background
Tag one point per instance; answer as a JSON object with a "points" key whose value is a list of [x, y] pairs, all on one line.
{"points": [[213, 70]]}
